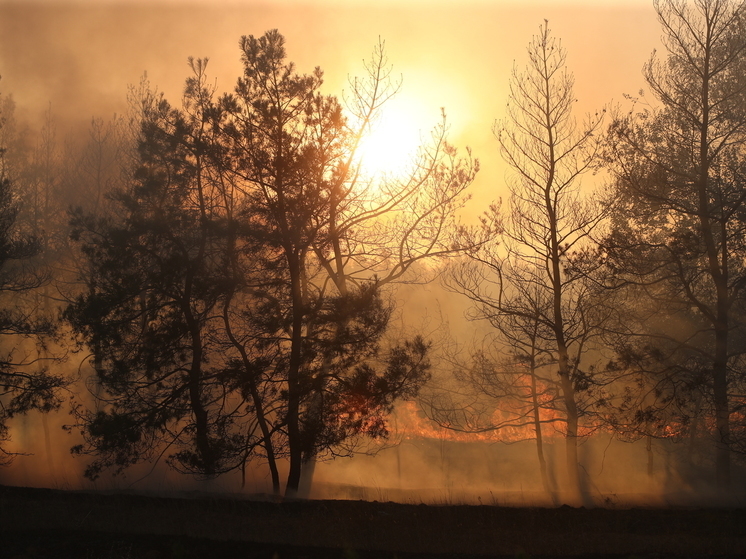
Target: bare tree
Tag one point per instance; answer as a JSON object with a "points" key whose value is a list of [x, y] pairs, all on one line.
{"points": [[534, 287]]}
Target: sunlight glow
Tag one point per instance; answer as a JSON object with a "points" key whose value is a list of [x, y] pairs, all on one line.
{"points": [[390, 146]]}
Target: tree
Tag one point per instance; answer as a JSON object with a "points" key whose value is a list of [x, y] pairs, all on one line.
{"points": [[342, 240], [534, 286], [256, 198], [502, 387], [26, 382], [148, 312], [678, 236]]}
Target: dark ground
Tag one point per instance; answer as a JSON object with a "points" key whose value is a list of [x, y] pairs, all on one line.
{"points": [[44, 523]]}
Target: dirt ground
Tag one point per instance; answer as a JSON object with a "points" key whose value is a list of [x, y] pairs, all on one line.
{"points": [[41, 523]]}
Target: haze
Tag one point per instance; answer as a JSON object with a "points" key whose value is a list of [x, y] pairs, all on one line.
{"points": [[80, 57], [77, 60]]}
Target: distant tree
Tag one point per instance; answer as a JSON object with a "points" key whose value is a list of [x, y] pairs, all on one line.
{"points": [[26, 383], [532, 282], [503, 386], [155, 281], [52, 176], [678, 232]]}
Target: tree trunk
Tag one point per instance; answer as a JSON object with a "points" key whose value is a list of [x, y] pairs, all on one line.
{"points": [[571, 437], [293, 412], [253, 390], [306, 477], [694, 430], [722, 413], [649, 451], [202, 439], [539, 440], [568, 390], [718, 271], [315, 405]]}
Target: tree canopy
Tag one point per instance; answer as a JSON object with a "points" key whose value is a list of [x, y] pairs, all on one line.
{"points": [[238, 304]]}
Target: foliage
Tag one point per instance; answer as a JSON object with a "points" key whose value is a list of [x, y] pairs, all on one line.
{"points": [[26, 383], [677, 242], [237, 307]]}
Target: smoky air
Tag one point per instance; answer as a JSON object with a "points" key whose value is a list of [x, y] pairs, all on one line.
{"points": [[476, 257]]}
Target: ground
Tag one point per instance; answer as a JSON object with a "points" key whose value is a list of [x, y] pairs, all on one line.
{"points": [[41, 523]]}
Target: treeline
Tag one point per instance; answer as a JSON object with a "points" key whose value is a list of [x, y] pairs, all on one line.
{"points": [[226, 266]]}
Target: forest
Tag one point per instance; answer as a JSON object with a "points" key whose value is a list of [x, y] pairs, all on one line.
{"points": [[218, 284]]}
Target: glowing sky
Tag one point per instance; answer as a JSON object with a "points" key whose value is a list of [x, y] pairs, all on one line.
{"points": [[80, 56]]}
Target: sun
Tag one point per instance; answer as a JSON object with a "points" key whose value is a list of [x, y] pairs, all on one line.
{"points": [[389, 148]]}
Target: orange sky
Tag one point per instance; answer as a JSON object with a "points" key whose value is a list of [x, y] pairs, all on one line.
{"points": [[80, 56]]}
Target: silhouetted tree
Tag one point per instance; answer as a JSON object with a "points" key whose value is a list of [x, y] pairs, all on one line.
{"points": [[342, 240], [679, 230], [26, 383], [254, 253], [532, 283], [155, 282]]}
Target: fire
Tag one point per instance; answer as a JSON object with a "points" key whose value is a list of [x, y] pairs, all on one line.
{"points": [[514, 416], [412, 424]]}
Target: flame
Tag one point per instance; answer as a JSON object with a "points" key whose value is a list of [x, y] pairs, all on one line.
{"points": [[412, 424]]}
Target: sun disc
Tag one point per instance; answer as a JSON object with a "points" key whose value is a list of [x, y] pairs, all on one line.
{"points": [[390, 146]]}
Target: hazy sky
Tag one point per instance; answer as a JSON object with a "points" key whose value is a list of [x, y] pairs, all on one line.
{"points": [[81, 56]]}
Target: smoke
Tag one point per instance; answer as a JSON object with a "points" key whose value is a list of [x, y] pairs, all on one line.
{"points": [[77, 60], [441, 471]]}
